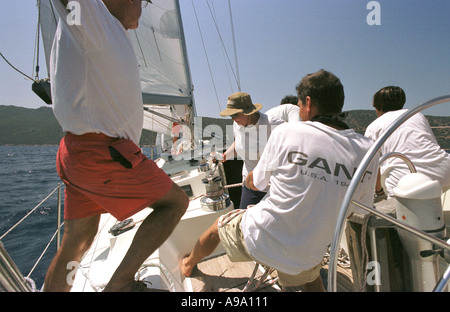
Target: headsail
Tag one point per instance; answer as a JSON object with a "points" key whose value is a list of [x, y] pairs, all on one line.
{"points": [[47, 23], [161, 52], [165, 77]]}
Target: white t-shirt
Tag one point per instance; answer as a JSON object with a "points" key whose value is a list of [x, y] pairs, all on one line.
{"points": [[251, 140], [95, 75], [415, 139], [309, 166], [286, 112]]}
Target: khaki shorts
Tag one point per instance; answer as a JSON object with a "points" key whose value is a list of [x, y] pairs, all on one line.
{"points": [[302, 278], [232, 240]]}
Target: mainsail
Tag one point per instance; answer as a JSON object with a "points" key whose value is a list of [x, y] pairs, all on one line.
{"points": [[161, 53]]}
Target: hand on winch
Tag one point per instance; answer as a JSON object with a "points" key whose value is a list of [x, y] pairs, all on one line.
{"points": [[217, 157]]}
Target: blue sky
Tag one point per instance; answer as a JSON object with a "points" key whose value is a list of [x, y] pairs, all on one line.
{"points": [[277, 43]]}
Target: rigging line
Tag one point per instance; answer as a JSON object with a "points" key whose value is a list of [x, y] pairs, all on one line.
{"points": [[155, 31], [166, 117], [38, 37], [45, 249], [140, 48], [154, 37], [55, 20], [15, 67], [32, 210], [224, 58], [158, 123], [234, 46], [206, 54], [94, 249], [221, 40], [150, 65], [53, 12], [156, 43], [228, 73]]}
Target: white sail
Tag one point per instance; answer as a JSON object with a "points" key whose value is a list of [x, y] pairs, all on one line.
{"points": [[165, 77], [161, 53], [48, 22]]}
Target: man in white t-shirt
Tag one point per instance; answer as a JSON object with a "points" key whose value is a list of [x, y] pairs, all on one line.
{"points": [[251, 130], [98, 103], [287, 110], [309, 166], [414, 139]]}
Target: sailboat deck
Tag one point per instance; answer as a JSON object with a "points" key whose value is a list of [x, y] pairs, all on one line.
{"points": [[219, 274]]}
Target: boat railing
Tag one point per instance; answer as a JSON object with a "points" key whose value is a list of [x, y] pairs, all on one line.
{"points": [[332, 272], [9, 275], [407, 161]]}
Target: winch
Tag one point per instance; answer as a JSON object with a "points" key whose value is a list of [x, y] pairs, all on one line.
{"points": [[215, 198]]}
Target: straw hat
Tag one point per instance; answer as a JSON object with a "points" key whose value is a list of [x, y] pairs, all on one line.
{"points": [[240, 102]]}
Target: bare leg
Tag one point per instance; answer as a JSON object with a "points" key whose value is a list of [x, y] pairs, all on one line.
{"points": [[155, 229], [378, 185], [78, 236], [205, 245]]}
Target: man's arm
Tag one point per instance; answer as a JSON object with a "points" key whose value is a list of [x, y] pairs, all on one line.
{"points": [[230, 153], [249, 182]]}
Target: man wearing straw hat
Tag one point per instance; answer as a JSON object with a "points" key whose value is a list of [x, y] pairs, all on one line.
{"points": [[251, 129]]}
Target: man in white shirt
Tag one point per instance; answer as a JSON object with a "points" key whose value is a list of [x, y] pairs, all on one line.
{"points": [[414, 139], [309, 166], [98, 103], [251, 130], [287, 110]]}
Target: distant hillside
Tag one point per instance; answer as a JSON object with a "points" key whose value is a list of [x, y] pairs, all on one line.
{"points": [[24, 126], [360, 119]]}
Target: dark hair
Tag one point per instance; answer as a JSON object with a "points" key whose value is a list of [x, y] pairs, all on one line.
{"points": [[389, 99], [289, 99], [325, 90]]}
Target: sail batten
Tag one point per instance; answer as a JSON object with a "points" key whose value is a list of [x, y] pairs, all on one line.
{"points": [[162, 99]]}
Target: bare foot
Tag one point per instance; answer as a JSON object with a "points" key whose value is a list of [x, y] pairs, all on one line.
{"points": [[185, 267]]}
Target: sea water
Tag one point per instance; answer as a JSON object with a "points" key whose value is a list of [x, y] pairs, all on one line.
{"points": [[27, 176]]}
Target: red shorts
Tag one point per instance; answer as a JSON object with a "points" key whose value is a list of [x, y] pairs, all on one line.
{"points": [[104, 174]]}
